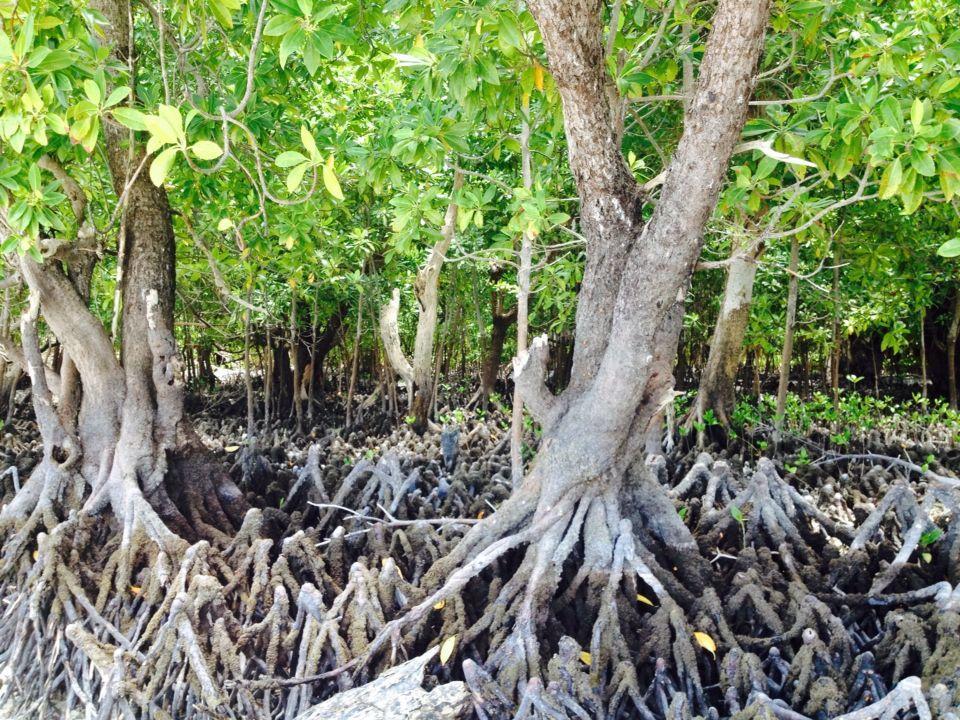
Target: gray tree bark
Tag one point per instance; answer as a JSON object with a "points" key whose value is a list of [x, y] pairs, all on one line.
{"points": [[629, 317], [418, 375], [717, 391], [133, 443]]}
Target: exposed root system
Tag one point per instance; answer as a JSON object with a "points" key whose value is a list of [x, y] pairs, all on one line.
{"points": [[829, 593]]}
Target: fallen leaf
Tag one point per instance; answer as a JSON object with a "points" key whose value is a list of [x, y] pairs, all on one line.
{"points": [[446, 649], [35, 555], [135, 589], [585, 657], [706, 642], [645, 600], [232, 448], [439, 605]]}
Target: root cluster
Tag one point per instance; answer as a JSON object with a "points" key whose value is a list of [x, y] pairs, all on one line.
{"points": [[828, 593]]}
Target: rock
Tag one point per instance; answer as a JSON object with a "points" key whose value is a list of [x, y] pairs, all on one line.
{"points": [[396, 695]]}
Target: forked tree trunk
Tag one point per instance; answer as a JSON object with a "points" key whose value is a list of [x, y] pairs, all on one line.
{"points": [[717, 391], [629, 317], [418, 375]]}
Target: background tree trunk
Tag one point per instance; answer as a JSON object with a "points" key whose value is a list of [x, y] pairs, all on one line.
{"points": [[717, 391], [952, 332], [787, 354], [419, 373]]}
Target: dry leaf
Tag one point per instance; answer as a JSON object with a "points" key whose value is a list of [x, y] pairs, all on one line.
{"points": [[706, 642], [232, 448], [35, 555], [446, 649], [585, 657], [645, 600], [135, 589], [439, 605]]}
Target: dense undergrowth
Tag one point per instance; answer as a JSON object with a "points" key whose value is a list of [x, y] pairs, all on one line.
{"points": [[855, 417]]}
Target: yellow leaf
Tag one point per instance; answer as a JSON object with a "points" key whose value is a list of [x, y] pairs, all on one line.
{"points": [[439, 605], [330, 180], [35, 555], [585, 657], [232, 448], [135, 589], [706, 642], [645, 600], [206, 150], [309, 143], [418, 41], [538, 76], [480, 515], [446, 649], [479, 27]]}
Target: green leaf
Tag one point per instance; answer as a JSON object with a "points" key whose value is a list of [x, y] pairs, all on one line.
{"points": [[118, 94], [290, 158], [92, 91], [890, 182], [736, 513], [280, 25], [172, 116], [922, 163], [128, 117], [930, 537], [950, 249], [161, 130], [296, 176], [161, 165], [206, 150], [916, 114], [510, 35], [947, 85], [290, 43], [6, 49]]}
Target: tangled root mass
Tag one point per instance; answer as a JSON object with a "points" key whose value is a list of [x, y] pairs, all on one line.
{"points": [[829, 592]]}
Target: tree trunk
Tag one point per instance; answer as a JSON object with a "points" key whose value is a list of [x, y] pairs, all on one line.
{"points": [[923, 353], [835, 341], [491, 360], [717, 392], [523, 312], [132, 445], [952, 332], [354, 364], [629, 317], [293, 348], [787, 355], [419, 375]]}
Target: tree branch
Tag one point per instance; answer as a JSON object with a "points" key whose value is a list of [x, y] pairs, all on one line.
{"points": [[390, 335], [529, 371]]}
